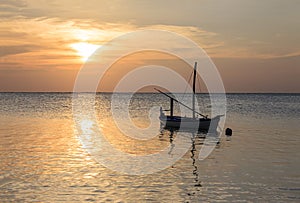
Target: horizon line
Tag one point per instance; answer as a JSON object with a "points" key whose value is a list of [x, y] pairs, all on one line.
{"points": [[150, 92]]}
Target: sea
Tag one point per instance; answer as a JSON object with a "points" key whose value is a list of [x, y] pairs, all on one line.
{"points": [[44, 156]]}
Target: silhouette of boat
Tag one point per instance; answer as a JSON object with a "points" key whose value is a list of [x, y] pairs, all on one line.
{"points": [[202, 124]]}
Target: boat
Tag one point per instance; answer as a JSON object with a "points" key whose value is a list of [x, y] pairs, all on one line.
{"points": [[172, 122]]}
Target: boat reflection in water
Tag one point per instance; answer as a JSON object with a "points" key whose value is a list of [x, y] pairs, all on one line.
{"points": [[197, 141]]}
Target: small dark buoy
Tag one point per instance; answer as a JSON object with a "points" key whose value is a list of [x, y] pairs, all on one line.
{"points": [[228, 132]]}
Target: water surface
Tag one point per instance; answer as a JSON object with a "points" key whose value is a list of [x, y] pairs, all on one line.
{"points": [[43, 160]]}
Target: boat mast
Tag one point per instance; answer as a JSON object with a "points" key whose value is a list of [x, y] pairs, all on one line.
{"points": [[194, 89]]}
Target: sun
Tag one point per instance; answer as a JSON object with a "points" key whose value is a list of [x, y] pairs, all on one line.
{"points": [[84, 49]]}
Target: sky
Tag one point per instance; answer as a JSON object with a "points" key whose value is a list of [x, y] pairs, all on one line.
{"points": [[254, 44]]}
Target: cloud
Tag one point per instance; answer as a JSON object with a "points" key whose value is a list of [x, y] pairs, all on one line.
{"points": [[33, 31], [218, 27], [11, 8], [41, 42], [13, 3], [13, 50]]}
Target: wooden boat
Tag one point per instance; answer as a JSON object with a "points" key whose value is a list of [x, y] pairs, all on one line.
{"points": [[202, 124]]}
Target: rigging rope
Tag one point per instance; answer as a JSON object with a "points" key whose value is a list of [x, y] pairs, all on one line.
{"points": [[184, 93]]}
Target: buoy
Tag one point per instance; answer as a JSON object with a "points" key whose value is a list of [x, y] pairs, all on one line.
{"points": [[228, 132]]}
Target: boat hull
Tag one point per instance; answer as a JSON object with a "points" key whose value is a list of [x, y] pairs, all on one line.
{"points": [[185, 123]]}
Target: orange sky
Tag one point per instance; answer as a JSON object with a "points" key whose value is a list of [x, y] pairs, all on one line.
{"points": [[255, 45]]}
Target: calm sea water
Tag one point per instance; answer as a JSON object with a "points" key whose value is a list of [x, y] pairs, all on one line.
{"points": [[43, 160]]}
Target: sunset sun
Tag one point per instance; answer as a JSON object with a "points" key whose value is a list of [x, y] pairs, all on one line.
{"points": [[84, 49]]}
